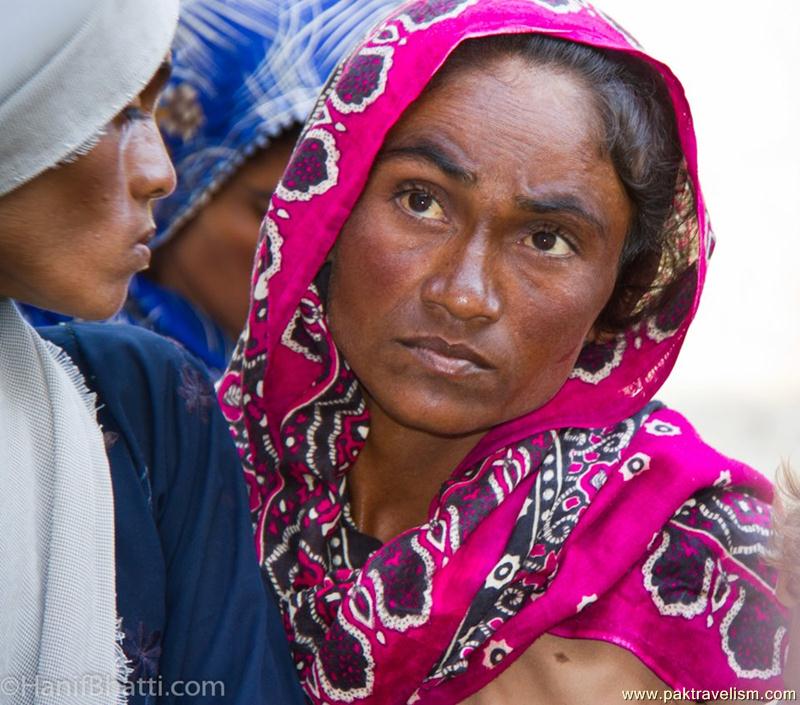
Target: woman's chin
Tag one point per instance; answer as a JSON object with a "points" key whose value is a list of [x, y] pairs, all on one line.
{"points": [[103, 310], [98, 305], [438, 420]]}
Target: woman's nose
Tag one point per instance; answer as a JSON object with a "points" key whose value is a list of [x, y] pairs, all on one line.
{"points": [[462, 283], [150, 168]]}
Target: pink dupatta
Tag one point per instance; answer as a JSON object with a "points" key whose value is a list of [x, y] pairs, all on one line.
{"points": [[597, 515]]}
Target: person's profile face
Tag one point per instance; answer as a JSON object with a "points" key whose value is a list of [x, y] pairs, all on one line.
{"points": [[484, 246], [71, 239], [214, 250]]}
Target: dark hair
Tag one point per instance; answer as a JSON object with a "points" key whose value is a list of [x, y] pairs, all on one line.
{"points": [[641, 139]]}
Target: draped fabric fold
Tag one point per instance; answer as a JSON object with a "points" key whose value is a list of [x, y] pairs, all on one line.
{"points": [[58, 612]]}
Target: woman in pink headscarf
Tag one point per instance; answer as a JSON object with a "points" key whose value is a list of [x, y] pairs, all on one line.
{"points": [[478, 269]]}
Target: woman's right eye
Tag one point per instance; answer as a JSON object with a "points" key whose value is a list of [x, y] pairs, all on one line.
{"points": [[421, 204], [133, 112]]}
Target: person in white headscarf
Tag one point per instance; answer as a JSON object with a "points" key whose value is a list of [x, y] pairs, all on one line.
{"points": [[245, 75], [126, 558]]}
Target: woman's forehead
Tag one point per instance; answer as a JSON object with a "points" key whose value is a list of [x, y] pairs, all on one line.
{"points": [[468, 112], [508, 77]]}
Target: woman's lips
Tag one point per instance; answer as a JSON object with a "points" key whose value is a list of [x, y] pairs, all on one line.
{"points": [[141, 250], [142, 256], [148, 235], [446, 358]]}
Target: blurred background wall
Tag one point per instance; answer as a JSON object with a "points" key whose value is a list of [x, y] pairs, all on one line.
{"points": [[738, 378]]}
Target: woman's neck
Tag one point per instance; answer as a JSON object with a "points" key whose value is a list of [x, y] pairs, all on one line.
{"points": [[398, 473]]}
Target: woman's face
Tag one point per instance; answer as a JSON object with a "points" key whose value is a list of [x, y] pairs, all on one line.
{"points": [[71, 239], [482, 250], [210, 259]]}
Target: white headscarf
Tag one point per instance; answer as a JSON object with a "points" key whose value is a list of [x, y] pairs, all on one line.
{"points": [[67, 68]]}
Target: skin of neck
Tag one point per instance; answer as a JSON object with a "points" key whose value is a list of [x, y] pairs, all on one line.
{"points": [[399, 471]]}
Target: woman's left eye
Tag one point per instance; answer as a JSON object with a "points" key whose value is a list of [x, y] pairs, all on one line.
{"points": [[550, 243], [421, 204]]}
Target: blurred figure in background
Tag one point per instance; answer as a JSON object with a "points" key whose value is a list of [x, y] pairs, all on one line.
{"points": [[245, 76]]}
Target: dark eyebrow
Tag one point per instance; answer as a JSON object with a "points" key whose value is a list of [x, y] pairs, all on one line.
{"points": [[562, 203], [159, 80], [433, 154], [556, 203], [259, 194]]}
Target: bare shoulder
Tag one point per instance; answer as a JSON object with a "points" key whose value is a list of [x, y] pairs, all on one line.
{"points": [[557, 671]]}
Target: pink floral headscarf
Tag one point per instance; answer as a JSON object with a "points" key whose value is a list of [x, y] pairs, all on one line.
{"points": [[599, 515]]}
